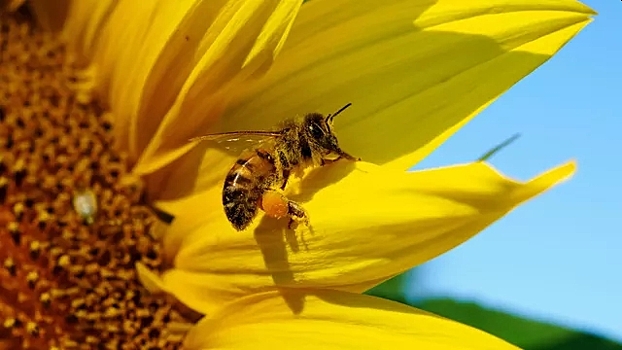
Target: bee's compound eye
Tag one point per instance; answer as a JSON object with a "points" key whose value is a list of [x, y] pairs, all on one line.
{"points": [[274, 204], [316, 131]]}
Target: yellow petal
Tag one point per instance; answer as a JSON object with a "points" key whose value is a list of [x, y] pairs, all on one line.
{"points": [[332, 320], [167, 69], [367, 224], [415, 70], [133, 52], [121, 42], [238, 47]]}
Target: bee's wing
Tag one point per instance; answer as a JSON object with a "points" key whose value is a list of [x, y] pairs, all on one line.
{"points": [[237, 141]]}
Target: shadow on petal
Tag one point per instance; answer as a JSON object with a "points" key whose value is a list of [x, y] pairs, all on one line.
{"points": [[370, 225]]}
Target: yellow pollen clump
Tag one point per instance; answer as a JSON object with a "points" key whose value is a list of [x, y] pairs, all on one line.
{"points": [[71, 230]]}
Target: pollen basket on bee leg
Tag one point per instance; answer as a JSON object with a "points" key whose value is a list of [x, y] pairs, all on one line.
{"points": [[274, 204]]}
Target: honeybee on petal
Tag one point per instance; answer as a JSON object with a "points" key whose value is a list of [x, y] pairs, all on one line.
{"points": [[260, 174]]}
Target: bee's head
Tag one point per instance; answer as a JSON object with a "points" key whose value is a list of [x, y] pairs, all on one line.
{"points": [[319, 129]]}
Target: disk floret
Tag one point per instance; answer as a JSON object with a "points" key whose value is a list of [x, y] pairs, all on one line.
{"points": [[68, 277]]}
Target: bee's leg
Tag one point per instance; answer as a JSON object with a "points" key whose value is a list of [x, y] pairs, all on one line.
{"points": [[342, 155], [275, 204], [329, 161], [296, 214], [286, 173], [347, 156]]}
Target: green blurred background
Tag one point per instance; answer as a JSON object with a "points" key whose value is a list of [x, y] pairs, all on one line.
{"points": [[522, 332]]}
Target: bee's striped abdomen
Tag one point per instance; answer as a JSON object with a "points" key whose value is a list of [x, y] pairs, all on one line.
{"points": [[243, 187]]}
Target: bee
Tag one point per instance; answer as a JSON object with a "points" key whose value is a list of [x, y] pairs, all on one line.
{"points": [[260, 174]]}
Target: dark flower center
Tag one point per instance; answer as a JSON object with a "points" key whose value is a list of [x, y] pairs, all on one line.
{"points": [[67, 270]]}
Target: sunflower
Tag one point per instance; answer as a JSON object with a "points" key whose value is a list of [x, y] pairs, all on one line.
{"points": [[99, 99]]}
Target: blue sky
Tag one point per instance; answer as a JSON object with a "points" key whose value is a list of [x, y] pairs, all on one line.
{"points": [[559, 257]]}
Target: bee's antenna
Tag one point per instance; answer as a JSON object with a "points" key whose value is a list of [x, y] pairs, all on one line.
{"points": [[330, 117]]}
